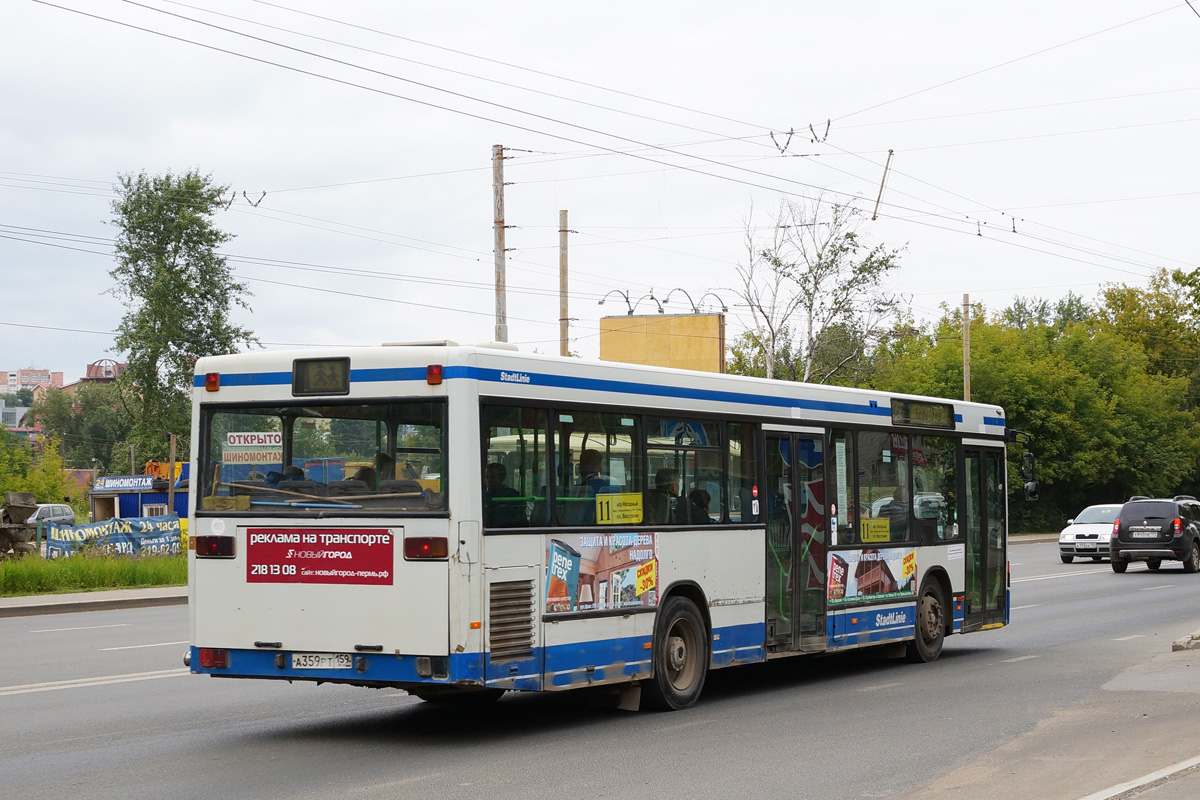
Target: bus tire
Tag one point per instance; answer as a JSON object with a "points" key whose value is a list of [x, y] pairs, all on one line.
{"points": [[931, 625], [679, 658]]}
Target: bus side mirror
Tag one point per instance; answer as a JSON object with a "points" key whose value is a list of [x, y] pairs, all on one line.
{"points": [[1029, 476], [1027, 467]]}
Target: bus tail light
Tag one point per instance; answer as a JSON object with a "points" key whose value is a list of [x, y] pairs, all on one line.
{"points": [[214, 546], [420, 548], [214, 657], [212, 381], [433, 374]]}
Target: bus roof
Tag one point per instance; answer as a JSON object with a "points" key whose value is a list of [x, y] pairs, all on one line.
{"points": [[501, 371]]}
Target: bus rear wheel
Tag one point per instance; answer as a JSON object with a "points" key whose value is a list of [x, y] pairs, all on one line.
{"points": [[680, 656], [931, 625]]}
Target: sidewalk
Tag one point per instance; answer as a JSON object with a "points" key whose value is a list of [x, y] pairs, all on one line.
{"points": [[92, 601]]}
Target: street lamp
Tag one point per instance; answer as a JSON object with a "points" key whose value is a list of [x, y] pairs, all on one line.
{"points": [[695, 307], [624, 296], [653, 298]]}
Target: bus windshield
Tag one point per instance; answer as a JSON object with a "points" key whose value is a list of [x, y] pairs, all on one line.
{"points": [[349, 458]]}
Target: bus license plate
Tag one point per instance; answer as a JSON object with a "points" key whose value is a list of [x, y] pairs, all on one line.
{"points": [[321, 661]]}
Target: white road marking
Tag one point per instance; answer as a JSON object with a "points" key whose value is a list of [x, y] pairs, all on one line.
{"points": [[103, 681], [1061, 575], [83, 628], [139, 646], [1031, 605], [1127, 638], [1145, 780], [1018, 658], [1152, 588], [891, 685]]}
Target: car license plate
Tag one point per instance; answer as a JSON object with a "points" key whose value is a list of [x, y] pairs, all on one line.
{"points": [[1139, 534], [1085, 545], [321, 661]]}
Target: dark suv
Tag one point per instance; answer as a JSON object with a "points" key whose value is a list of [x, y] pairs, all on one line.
{"points": [[1156, 530]]}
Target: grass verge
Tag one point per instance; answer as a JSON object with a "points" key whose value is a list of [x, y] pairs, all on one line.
{"points": [[85, 573]]}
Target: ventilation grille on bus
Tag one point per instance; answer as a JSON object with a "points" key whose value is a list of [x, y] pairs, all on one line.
{"points": [[510, 620]]}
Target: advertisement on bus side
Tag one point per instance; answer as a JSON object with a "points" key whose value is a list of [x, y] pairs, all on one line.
{"points": [[857, 576], [601, 571]]}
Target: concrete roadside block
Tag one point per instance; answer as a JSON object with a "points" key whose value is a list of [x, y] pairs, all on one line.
{"points": [[1190, 642]]}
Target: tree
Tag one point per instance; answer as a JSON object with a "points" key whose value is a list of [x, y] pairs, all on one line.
{"points": [[91, 424], [1161, 319], [20, 472], [21, 398], [1104, 424], [815, 278], [179, 296]]}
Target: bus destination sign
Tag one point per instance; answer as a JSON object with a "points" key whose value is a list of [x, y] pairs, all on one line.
{"points": [[923, 414], [320, 376]]}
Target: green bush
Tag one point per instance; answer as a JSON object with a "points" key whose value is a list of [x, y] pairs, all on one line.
{"points": [[85, 573]]}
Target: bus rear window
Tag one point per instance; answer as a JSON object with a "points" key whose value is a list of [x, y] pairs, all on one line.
{"points": [[355, 459]]}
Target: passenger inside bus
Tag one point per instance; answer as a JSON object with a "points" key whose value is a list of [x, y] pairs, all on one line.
{"points": [[499, 509], [896, 512], [366, 475], [697, 507], [662, 502], [590, 463]]}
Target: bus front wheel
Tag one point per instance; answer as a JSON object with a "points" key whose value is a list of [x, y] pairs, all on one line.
{"points": [[680, 656], [931, 625]]}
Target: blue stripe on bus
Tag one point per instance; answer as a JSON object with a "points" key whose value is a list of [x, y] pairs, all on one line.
{"points": [[248, 379], [390, 374], [871, 408], [870, 625], [566, 665]]}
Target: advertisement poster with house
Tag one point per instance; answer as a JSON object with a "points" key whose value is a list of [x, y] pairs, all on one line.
{"points": [[857, 576], [601, 571]]}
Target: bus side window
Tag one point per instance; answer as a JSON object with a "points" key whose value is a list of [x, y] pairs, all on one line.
{"points": [[513, 471]]}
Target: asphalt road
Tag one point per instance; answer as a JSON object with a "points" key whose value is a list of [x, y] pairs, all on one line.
{"points": [[1079, 694]]}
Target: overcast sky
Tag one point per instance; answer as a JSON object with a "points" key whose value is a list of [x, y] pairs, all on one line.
{"points": [[1039, 149]]}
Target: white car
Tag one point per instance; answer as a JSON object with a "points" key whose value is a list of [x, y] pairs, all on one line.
{"points": [[1088, 535]]}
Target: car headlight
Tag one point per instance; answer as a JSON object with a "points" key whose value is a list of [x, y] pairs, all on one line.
{"points": [[1065, 537]]}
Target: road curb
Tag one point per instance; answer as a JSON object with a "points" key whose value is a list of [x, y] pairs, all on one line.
{"points": [[36, 605]]}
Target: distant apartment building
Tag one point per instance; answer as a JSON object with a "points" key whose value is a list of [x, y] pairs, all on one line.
{"points": [[12, 416], [103, 371], [31, 378]]}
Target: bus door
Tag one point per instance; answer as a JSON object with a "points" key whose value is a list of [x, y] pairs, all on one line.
{"points": [[985, 510], [795, 552]]}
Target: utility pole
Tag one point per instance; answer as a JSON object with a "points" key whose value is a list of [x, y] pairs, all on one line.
{"points": [[966, 316], [498, 240], [132, 465], [171, 477], [563, 322]]}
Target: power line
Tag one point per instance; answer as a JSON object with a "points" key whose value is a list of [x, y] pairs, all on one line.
{"points": [[1002, 64], [461, 112]]}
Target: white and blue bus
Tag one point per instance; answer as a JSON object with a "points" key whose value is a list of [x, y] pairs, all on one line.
{"points": [[510, 521]]}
